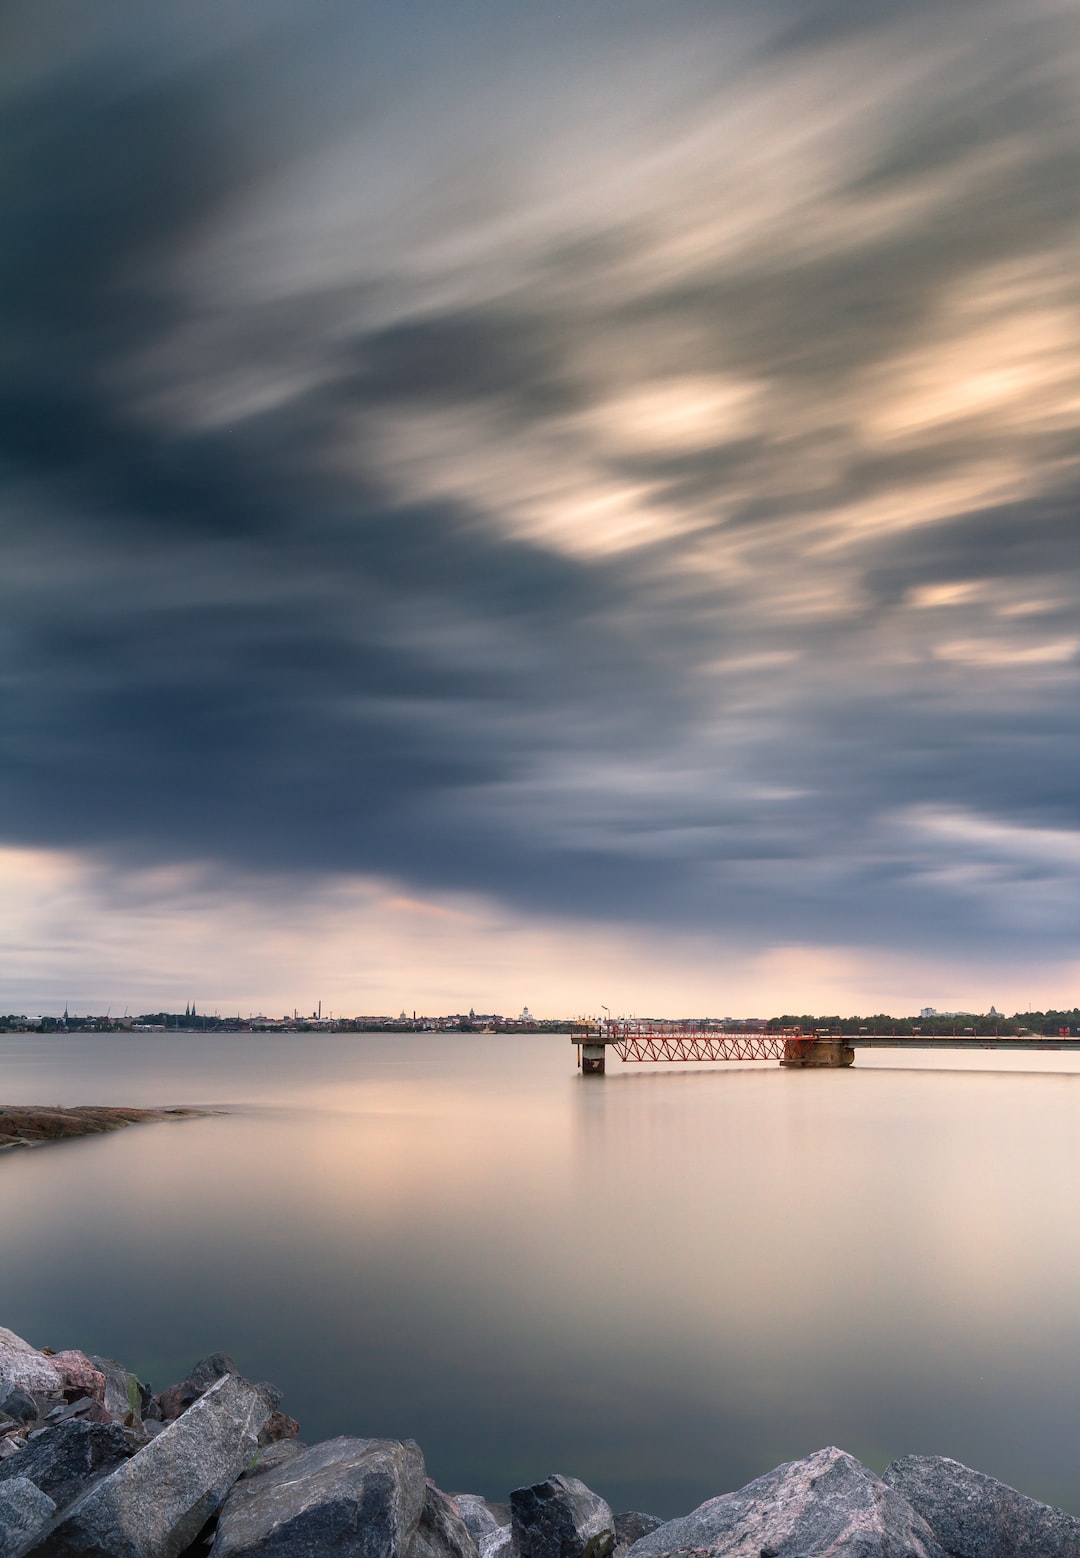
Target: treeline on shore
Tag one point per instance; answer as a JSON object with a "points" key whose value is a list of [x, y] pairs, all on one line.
{"points": [[1048, 1024]]}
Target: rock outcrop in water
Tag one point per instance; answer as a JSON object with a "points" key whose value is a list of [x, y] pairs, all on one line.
{"points": [[93, 1464], [29, 1125]]}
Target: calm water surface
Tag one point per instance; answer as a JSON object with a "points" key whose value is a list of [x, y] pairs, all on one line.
{"points": [[664, 1281]]}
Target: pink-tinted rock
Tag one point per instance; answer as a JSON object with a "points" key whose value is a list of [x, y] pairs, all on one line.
{"points": [[79, 1374], [176, 1399], [279, 1426]]}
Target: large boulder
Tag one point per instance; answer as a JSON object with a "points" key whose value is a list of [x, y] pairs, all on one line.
{"points": [[561, 1518], [154, 1505], [24, 1511], [23, 1365], [361, 1497], [828, 1504], [64, 1460], [974, 1516]]}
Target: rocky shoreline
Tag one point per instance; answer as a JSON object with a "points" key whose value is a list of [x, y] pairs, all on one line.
{"points": [[28, 1125], [94, 1464]]}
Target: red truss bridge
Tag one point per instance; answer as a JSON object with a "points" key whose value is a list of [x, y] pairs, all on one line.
{"points": [[639, 1040], [674, 1041]]}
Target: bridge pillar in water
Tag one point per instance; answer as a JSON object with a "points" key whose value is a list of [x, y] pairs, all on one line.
{"points": [[592, 1058], [820, 1052]]}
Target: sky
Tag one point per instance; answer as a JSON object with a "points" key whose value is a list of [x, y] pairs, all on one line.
{"points": [[565, 504]]}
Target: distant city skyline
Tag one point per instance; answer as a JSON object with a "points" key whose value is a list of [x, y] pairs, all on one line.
{"points": [[573, 504]]}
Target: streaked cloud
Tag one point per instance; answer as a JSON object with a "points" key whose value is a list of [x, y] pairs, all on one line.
{"points": [[609, 464]]}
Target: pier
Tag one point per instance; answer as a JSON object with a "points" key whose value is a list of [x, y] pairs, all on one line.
{"points": [[790, 1047]]}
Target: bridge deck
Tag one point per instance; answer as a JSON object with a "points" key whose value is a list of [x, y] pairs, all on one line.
{"points": [[957, 1041], [693, 1043]]}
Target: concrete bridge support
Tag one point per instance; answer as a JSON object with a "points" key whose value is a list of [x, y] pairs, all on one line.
{"points": [[592, 1058], [821, 1052]]}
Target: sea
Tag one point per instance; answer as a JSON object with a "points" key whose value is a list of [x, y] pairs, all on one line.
{"points": [[664, 1281]]}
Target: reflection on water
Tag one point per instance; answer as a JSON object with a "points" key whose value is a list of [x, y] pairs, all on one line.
{"points": [[664, 1281]]}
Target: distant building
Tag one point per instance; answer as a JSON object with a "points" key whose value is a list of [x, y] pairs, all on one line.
{"points": [[928, 1011]]}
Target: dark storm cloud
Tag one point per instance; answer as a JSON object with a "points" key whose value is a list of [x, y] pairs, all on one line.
{"points": [[309, 453]]}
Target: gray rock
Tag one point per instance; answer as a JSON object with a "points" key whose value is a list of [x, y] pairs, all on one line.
{"points": [[361, 1497], [630, 1527], [498, 1543], [272, 1455], [21, 1364], [974, 1516], [24, 1510], [488, 1522], [63, 1461], [479, 1516], [442, 1532], [828, 1504], [82, 1406], [123, 1397], [154, 1505], [561, 1518], [17, 1403], [216, 1366]]}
